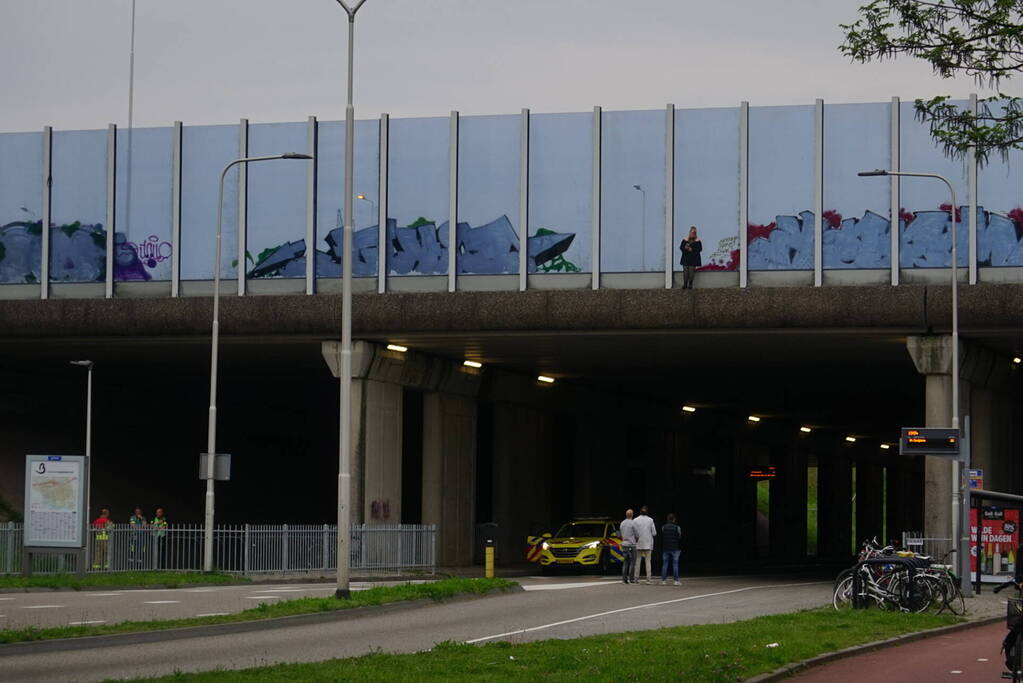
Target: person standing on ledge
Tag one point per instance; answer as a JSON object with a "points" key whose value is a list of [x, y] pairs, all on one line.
{"points": [[690, 247]]}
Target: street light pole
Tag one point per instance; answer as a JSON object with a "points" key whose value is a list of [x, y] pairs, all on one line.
{"points": [[344, 476], [87, 364], [371, 203], [211, 434], [957, 488]]}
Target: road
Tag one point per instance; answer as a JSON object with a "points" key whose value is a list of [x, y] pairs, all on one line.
{"points": [[558, 607]]}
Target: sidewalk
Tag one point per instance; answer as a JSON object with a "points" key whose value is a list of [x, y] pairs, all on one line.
{"points": [[971, 654]]}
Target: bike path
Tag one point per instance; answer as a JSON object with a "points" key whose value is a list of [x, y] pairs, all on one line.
{"points": [[968, 655]]}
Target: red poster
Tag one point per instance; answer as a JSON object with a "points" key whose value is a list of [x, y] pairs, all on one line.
{"points": [[999, 541]]}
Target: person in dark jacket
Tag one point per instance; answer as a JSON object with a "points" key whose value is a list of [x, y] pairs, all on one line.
{"points": [[671, 547], [691, 247]]}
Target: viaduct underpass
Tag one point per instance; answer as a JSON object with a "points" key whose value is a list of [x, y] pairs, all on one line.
{"points": [[437, 442]]}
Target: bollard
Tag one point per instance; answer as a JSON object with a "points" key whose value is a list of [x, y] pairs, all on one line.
{"points": [[489, 572]]}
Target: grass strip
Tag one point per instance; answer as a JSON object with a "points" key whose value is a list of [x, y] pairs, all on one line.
{"points": [[711, 652], [436, 590], [119, 579]]}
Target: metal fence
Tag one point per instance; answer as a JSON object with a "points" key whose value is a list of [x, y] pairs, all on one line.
{"points": [[244, 549], [918, 543]]}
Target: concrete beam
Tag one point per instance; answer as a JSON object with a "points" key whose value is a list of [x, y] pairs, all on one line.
{"points": [[906, 307]]}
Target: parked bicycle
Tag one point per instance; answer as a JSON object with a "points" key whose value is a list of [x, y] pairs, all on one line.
{"points": [[892, 585], [1012, 646]]}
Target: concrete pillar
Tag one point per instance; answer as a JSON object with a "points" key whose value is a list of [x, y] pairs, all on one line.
{"points": [[378, 449], [932, 356], [449, 474]]}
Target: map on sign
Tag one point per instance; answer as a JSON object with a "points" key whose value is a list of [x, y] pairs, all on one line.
{"points": [[54, 494]]}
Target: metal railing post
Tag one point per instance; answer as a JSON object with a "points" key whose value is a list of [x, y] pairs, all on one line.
{"points": [[284, 550], [324, 539], [245, 551]]}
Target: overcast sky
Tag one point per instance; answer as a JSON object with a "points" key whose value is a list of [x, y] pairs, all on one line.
{"points": [[65, 62]]}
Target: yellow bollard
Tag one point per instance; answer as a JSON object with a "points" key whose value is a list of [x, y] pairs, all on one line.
{"points": [[489, 571]]}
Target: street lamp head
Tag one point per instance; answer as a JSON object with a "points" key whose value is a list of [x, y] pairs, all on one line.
{"points": [[82, 363], [295, 155], [638, 187], [360, 196], [875, 172]]}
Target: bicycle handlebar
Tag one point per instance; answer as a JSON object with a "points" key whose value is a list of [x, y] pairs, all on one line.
{"points": [[1001, 587]]}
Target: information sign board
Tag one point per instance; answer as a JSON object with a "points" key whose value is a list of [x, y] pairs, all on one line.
{"points": [[929, 441], [55, 501]]}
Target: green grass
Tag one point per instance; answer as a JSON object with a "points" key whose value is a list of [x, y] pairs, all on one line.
{"points": [[436, 590], [713, 652], [119, 579]]}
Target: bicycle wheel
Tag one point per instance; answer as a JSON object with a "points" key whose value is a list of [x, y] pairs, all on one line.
{"points": [[842, 598], [1017, 664], [954, 600]]}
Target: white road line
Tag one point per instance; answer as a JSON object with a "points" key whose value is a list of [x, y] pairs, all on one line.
{"points": [[289, 590], [86, 623], [262, 597], [212, 614], [160, 602], [635, 607], [202, 590], [565, 586], [101, 595], [7, 598], [40, 606]]}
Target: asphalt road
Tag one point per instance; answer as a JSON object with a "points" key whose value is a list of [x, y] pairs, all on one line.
{"points": [[559, 607]]}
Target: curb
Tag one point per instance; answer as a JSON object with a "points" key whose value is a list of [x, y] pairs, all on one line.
{"points": [[162, 635], [790, 669]]}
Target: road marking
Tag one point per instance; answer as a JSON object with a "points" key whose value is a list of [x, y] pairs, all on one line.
{"points": [[956, 671], [40, 606], [564, 586], [203, 590], [289, 590], [160, 602], [212, 614], [6, 598], [262, 597], [982, 659], [86, 623], [635, 607], [101, 595]]}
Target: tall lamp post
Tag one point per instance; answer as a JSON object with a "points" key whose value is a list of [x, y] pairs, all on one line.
{"points": [[344, 475], [957, 489], [643, 234], [371, 203], [211, 434], [87, 364]]}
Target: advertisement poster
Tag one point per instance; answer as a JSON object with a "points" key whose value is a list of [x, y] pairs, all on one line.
{"points": [[54, 500], [999, 541]]}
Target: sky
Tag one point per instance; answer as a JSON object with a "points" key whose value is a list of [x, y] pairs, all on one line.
{"points": [[64, 63]]}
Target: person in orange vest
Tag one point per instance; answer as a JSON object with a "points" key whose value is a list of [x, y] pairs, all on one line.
{"points": [[101, 540]]}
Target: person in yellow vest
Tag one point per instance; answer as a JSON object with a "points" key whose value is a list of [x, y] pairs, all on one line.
{"points": [[159, 526], [101, 540]]}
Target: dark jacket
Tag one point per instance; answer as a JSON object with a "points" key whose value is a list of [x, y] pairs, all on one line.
{"points": [[691, 257], [671, 537]]}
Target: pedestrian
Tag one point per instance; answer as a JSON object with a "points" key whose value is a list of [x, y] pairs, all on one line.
{"points": [[159, 525], [627, 529], [671, 547], [690, 247], [137, 546], [101, 540], [645, 532]]}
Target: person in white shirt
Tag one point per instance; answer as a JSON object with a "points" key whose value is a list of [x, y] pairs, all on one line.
{"points": [[645, 532], [627, 529]]}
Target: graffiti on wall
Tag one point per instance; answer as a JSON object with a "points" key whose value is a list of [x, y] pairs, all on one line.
{"points": [[864, 242], [77, 253], [421, 249]]}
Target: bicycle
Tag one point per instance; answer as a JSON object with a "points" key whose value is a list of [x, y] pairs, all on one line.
{"points": [[1012, 646], [888, 585]]}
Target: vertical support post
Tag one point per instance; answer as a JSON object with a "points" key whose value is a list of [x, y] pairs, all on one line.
{"points": [[243, 203], [108, 289], [176, 148], [895, 187], [311, 197], [324, 540], [453, 203], [743, 193], [818, 193], [46, 209], [971, 174], [385, 170], [596, 201], [284, 549], [245, 551], [523, 200], [669, 194]]}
